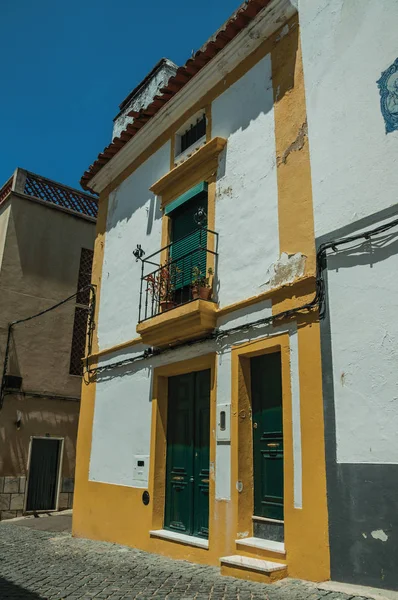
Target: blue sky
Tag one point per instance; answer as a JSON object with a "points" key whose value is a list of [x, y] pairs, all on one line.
{"points": [[65, 66]]}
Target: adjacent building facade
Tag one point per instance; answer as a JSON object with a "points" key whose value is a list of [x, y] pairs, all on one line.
{"points": [[47, 233], [233, 380]]}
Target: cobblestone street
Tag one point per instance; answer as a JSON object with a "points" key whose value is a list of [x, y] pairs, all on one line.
{"points": [[43, 564]]}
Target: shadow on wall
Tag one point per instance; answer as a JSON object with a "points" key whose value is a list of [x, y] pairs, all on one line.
{"points": [[12, 590], [368, 252], [139, 196]]}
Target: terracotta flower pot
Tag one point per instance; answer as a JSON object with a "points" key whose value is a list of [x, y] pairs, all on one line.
{"points": [[204, 293], [167, 305]]}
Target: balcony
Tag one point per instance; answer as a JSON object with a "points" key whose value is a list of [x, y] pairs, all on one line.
{"points": [[176, 295]]}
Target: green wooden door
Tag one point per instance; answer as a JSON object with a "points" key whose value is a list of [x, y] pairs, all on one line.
{"points": [[266, 389], [189, 242], [201, 465], [187, 463]]}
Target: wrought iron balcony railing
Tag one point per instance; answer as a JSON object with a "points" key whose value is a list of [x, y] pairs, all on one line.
{"points": [[185, 271]]}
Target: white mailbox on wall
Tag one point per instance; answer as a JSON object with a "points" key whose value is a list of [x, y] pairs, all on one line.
{"points": [[223, 423]]}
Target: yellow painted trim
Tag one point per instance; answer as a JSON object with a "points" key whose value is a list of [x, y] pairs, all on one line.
{"points": [[295, 209], [186, 322], [307, 557], [157, 467], [231, 571], [288, 289], [241, 426], [198, 167], [133, 342]]}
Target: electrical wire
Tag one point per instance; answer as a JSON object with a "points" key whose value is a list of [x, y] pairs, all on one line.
{"points": [[90, 329], [318, 302]]}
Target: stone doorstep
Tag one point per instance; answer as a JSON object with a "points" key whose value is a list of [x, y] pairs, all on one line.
{"points": [[260, 544], [255, 569], [181, 538]]}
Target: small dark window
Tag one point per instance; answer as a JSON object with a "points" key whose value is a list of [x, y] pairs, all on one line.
{"points": [[86, 264], [193, 133], [78, 340], [81, 313]]}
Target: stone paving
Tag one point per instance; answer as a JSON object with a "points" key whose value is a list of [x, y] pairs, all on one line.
{"points": [[41, 564]]}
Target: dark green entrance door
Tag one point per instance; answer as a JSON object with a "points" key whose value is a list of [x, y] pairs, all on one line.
{"points": [[266, 389], [188, 457]]}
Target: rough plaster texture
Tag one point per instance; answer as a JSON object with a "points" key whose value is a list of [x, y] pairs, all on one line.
{"points": [[347, 44], [247, 196], [362, 284], [144, 96], [133, 218]]}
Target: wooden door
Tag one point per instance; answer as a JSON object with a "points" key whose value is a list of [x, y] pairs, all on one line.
{"points": [[45, 458], [187, 463], [266, 390]]}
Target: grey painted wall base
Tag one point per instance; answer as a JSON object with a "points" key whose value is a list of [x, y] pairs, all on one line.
{"points": [[363, 519], [362, 501]]}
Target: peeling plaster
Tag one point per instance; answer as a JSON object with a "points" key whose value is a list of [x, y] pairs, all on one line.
{"points": [[286, 269], [295, 146], [379, 534], [243, 534]]}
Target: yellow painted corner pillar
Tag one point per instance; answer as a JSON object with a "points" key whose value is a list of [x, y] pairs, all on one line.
{"points": [[306, 526]]}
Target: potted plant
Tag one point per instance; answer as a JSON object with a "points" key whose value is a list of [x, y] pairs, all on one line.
{"points": [[161, 285], [202, 285]]}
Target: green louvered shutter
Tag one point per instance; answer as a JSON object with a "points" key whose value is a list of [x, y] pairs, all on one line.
{"points": [[189, 243]]}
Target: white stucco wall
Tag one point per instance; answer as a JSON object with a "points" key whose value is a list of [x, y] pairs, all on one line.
{"points": [[133, 218], [347, 44], [247, 195], [363, 292]]}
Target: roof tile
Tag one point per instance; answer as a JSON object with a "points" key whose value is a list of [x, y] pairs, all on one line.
{"points": [[239, 20]]}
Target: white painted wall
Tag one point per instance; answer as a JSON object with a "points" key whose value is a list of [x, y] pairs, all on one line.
{"points": [[247, 195], [363, 292], [347, 44], [122, 425], [133, 218]]}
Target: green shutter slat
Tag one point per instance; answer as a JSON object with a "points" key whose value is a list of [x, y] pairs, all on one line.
{"points": [[198, 189], [189, 245]]}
